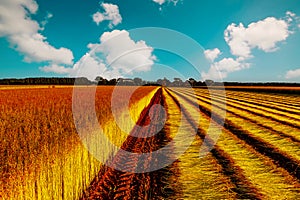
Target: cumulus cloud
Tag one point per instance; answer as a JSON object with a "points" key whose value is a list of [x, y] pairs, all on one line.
{"points": [[212, 54], [121, 52], [111, 13], [90, 66], [292, 74], [24, 33], [116, 55], [219, 70], [36, 49], [59, 69], [264, 35]]}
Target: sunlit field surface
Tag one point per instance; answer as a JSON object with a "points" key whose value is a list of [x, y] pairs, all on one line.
{"points": [[258, 150], [41, 154], [256, 156]]}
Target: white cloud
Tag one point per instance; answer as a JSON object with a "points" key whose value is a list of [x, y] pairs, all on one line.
{"points": [[213, 74], [219, 70], [293, 19], [116, 55], [56, 69], [291, 14], [264, 35], [160, 2], [121, 52], [36, 49], [111, 14], [46, 19], [90, 66], [24, 35], [212, 54], [292, 74], [229, 65]]}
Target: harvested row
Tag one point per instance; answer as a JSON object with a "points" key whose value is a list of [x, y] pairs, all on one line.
{"points": [[199, 178], [241, 187], [274, 110], [283, 130], [281, 106], [265, 104], [284, 118], [281, 99], [283, 156], [258, 168], [289, 94]]}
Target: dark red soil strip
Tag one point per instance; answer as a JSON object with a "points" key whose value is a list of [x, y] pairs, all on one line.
{"points": [[244, 189], [279, 158], [113, 184]]}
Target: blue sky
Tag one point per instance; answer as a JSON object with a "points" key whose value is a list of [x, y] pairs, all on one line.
{"points": [[237, 40]]}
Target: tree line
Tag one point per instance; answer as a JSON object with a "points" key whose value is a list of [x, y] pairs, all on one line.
{"points": [[176, 82]]}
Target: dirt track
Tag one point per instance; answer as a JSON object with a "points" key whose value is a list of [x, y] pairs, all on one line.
{"points": [[114, 184]]}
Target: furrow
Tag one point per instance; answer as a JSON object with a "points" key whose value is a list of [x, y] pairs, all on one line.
{"points": [[277, 128], [242, 187], [257, 160], [278, 99], [284, 119], [282, 128], [280, 158]]}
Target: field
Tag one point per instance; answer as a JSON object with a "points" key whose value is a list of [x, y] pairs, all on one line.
{"points": [[42, 156], [255, 135]]}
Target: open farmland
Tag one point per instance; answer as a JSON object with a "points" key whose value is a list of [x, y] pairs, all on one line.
{"points": [[41, 154], [256, 156]]}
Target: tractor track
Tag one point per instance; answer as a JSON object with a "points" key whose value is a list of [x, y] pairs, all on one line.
{"points": [[113, 184]]}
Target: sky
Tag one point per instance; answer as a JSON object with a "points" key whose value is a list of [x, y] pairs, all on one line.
{"points": [[229, 40]]}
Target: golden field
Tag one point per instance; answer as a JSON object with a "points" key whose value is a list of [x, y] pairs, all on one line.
{"points": [[42, 156], [256, 154]]}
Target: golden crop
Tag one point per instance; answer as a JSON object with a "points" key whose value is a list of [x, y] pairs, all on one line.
{"points": [[41, 154], [256, 155]]}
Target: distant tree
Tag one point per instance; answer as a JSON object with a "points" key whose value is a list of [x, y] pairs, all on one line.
{"points": [[112, 81], [99, 78], [187, 84], [209, 82], [192, 82], [138, 81], [163, 82], [120, 80], [177, 82], [159, 81], [101, 81]]}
